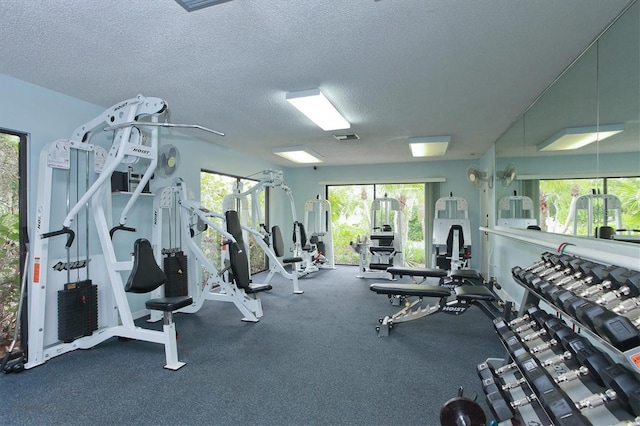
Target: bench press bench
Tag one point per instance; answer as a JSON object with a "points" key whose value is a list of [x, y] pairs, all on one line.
{"points": [[424, 273], [465, 297]]}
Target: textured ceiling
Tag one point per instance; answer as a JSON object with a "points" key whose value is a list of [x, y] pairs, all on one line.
{"points": [[394, 68]]}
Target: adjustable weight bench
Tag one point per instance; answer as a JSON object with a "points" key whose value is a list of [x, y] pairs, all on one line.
{"points": [[465, 297], [424, 273]]}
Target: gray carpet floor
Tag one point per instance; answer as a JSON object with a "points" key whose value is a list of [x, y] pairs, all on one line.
{"points": [[313, 359]]}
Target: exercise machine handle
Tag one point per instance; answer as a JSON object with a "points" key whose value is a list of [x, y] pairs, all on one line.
{"points": [[120, 228], [64, 230]]}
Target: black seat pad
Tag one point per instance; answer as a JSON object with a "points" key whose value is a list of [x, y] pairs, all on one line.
{"points": [[417, 272], [477, 292], [257, 288], [420, 290], [168, 304], [465, 273]]}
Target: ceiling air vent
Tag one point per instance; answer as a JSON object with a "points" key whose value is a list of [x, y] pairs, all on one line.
{"points": [[347, 137], [191, 5]]}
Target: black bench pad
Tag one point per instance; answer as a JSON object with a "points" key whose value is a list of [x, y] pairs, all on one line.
{"points": [[257, 288], [417, 272], [168, 304], [410, 290], [477, 292], [466, 273]]}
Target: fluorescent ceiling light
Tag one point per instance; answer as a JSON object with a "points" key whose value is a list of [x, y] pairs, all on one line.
{"points": [[432, 146], [191, 5], [577, 137], [318, 109], [299, 154]]}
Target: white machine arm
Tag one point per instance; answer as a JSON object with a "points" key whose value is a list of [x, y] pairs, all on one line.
{"points": [[203, 214]]}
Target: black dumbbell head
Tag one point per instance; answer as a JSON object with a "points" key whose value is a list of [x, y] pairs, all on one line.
{"points": [[587, 312], [574, 342], [561, 409], [499, 406], [595, 360], [559, 297], [617, 330], [625, 384], [570, 304]]}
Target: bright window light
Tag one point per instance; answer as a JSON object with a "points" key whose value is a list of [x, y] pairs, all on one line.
{"points": [[318, 109], [577, 137], [299, 154], [431, 146]]}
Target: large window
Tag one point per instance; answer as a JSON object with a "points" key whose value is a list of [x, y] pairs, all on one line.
{"points": [[562, 212], [213, 188], [13, 214], [351, 218]]}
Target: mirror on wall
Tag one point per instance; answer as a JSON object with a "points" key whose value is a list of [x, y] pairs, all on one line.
{"points": [[597, 97]]}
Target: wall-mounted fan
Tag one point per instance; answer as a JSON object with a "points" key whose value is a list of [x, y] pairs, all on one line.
{"points": [[477, 176], [507, 175], [168, 160]]}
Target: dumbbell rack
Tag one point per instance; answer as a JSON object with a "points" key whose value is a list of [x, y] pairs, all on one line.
{"points": [[555, 403]]}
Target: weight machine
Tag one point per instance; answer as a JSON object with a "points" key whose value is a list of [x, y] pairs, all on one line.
{"points": [[270, 241], [195, 219], [317, 253], [516, 211], [383, 247], [451, 234], [87, 314], [609, 206]]}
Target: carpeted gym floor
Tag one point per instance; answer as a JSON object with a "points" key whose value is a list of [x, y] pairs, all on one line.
{"points": [[313, 359]]}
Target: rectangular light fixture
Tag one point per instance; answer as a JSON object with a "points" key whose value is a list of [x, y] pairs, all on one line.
{"points": [[318, 109], [299, 154], [430, 146], [577, 137], [191, 5]]}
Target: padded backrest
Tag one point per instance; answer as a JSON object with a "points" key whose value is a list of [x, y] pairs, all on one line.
{"points": [[233, 225], [450, 238], [303, 234], [237, 254], [386, 228], [146, 275], [278, 243]]}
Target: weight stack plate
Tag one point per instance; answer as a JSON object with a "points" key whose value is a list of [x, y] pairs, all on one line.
{"points": [[175, 268], [77, 311]]}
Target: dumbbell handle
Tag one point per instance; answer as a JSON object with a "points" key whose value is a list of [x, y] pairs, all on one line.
{"points": [[574, 285], [534, 335], [557, 359], [595, 289], [596, 400], [518, 320], [513, 385], [505, 368], [609, 297], [557, 274], [572, 375], [626, 305], [535, 265], [524, 401], [543, 346], [569, 279], [525, 327], [548, 271]]}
